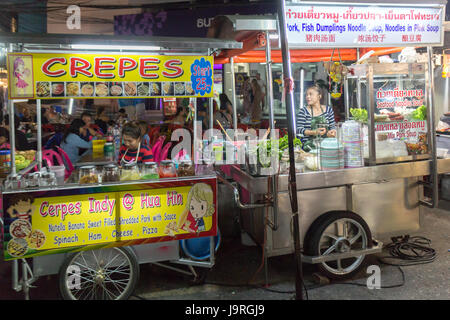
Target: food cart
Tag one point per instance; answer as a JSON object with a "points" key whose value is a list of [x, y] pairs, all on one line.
{"points": [[95, 234], [344, 210]]}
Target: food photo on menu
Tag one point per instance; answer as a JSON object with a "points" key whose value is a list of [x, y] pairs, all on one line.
{"points": [[168, 88], [87, 89], [130, 89], [72, 89], [116, 89], [179, 88], [101, 89], [57, 89], [189, 90], [143, 89], [155, 88], [43, 89]]}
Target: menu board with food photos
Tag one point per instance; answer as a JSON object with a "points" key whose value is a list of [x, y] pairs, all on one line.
{"points": [[66, 76]]}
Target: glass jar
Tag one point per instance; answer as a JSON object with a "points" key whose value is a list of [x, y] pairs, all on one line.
{"points": [[5, 161], [167, 169], [111, 173], [185, 169], [13, 182], [32, 179], [150, 171], [47, 179], [130, 171], [88, 174]]}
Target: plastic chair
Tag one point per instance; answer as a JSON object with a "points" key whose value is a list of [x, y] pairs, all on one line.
{"points": [[158, 144], [68, 164], [164, 152]]}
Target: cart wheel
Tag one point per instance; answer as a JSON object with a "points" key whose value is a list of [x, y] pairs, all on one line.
{"points": [[338, 232], [104, 274]]}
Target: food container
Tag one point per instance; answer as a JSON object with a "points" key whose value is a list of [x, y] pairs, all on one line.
{"points": [[150, 171], [59, 173], [130, 171], [185, 169], [5, 160], [32, 179], [98, 145], [167, 169], [13, 182], [48, 179], [111, 173], [88, 174], [109, 138]]}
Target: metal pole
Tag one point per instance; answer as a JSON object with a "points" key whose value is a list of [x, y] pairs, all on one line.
{"points": [[211, 104], [432, 129], [195, 142], [272, 134], [269, 92], [302, 88], [347, 100], [291, 135], [39, 133], [12, 136], [371, 120], [233, 93]]}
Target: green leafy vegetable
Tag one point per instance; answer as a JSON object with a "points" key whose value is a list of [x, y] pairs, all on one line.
{"points": [[420, 113], [359, 114]]}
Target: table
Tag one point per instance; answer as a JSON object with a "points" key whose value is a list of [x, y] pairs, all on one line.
{"points": [[94, 159]]}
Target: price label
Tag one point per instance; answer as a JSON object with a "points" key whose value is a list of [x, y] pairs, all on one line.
{"points": [[202, 76]]}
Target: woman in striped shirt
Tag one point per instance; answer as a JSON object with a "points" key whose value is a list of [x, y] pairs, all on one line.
{"points": [[132, 150], [315, 119]]}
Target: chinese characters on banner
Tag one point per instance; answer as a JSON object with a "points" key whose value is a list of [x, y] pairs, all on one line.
{"points": [[363, 25]]}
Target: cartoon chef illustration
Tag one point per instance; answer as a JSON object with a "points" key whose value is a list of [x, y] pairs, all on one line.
{"points": [[21, 207], [200, 204]]}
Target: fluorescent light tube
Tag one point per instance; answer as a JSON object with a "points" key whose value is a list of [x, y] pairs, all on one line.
{"points": [[114, 47]]}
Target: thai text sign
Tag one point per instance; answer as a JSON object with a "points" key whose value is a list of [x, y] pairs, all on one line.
{"points": [[37, 226], [356, 25], [61, 75]]}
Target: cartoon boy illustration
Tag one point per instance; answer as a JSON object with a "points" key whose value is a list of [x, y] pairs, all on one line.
{"points": [[20, 73], [200, 204], [20, 206]]}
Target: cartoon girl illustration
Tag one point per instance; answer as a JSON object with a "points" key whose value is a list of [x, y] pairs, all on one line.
{"points": [[20, 72], [200, 204]]}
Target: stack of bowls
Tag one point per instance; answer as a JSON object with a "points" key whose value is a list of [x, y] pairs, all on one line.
{"points": [[352, 141], [331, 154]]}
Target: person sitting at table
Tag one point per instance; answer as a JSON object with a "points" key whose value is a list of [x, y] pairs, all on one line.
{"points": [[132, 149], [4, 139], [21, 141], [102, 119], [90, 131], [72, 141]]}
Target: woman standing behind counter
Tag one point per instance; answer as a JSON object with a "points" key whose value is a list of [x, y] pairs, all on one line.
{"points": [[315, 118], [132, 150]]}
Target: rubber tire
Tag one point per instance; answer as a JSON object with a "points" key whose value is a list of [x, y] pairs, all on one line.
{"points": [[134, 267], [314, 234]]}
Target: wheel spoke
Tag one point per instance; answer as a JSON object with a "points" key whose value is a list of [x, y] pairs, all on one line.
{"points": [[358, 235], [339, 265], [330, 235], [329, 250]]}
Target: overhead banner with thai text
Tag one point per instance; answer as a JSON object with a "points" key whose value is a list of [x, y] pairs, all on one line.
{"points": [[66, 76], [363, 25]]}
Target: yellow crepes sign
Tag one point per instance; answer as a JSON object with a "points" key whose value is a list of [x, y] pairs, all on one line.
{"points": [[73, 75]]}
